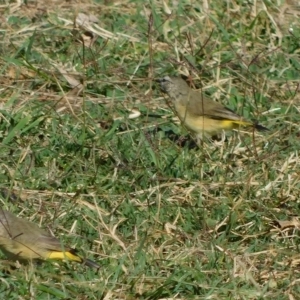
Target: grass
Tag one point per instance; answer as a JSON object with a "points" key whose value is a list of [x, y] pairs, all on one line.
{"points": [[90, 149]]}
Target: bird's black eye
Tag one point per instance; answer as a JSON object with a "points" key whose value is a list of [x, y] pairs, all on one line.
{"points": [[163, 80]]}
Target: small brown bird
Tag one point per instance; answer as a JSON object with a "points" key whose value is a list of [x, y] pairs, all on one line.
{"points": [[200, 114], [22, 240]]}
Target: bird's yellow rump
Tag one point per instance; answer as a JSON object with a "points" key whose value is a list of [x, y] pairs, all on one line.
{"points": [[199, 113], [22, 240]]}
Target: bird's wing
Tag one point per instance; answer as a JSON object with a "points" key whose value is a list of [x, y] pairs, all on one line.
{"points": [[203, 106]]}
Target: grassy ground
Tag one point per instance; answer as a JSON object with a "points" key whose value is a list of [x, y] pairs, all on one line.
{"points": [[90, 148]]}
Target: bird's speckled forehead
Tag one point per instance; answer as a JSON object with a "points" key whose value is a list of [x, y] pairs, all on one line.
{"points": [[166, 78], [173, 86], [165, 83]]}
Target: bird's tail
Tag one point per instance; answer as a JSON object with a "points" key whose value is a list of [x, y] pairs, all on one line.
{"points": [[90, 263], [260, 127], [255, 125]]}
